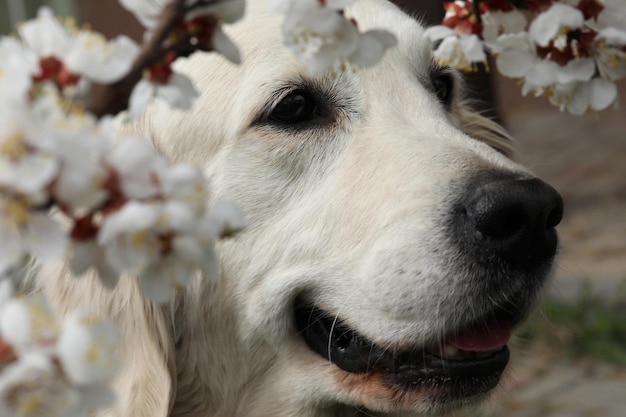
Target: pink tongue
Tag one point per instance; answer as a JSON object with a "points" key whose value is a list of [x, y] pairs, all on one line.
{"points": [[482, 339]]}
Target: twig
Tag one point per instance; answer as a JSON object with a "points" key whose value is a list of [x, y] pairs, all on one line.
{"points": [[476, 6], [113, 98]]}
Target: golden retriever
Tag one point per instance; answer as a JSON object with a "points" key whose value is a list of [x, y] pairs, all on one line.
{"points": [[392, 242]]}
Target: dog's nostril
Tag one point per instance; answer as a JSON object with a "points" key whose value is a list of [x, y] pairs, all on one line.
{"points": [[513, 219], [555, 216], [501, 222]]}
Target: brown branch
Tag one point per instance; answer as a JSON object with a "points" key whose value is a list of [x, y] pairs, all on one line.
{"points": [[476, 6], [110, 99]]}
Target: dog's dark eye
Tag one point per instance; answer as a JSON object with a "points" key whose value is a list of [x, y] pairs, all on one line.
{"points": [[297, 107], [443, 84]]}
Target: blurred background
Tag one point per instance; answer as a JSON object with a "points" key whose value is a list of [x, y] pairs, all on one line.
{"points": [[574, 360]]}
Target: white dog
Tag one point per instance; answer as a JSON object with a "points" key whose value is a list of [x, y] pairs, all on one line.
{"points": [[391, 244]]}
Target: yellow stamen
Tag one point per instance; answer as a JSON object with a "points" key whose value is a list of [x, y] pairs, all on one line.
{"points": [[13, 146]]}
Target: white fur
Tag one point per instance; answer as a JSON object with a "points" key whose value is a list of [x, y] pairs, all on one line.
{"points": [[349, 214]]}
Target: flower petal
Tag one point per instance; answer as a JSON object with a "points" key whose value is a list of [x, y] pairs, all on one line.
{"points": [[602, 94]]}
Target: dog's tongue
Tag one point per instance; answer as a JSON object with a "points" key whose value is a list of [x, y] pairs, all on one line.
{"points": [[484, 338]]}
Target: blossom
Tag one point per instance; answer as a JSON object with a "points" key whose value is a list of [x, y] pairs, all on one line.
{"points": [[67, 54], [578, 97], [552, 25], [17, 68], [496, 23], [32, 386], [148, 12], [461, 17], [27, 323], [25, 231], [26, 164], [202, 21], [135, 166], [459, 51], [322, 36], [178, 91], [45, 36], [86, 349], [610, 53], [129, 239], [82, 146], [228, 218], [99, 60]]}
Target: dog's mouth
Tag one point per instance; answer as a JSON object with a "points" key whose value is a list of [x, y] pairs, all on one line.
{"points": [[467, 364]]}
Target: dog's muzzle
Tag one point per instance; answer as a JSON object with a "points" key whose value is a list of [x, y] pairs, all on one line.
{"points": [[465, 363], [503, 229]]}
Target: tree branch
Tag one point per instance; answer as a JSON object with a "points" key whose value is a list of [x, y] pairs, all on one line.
{"points": [[110, 99]]}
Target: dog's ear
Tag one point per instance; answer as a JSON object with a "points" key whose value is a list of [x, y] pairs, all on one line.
{"points": [[146, 384], [486, 130]]}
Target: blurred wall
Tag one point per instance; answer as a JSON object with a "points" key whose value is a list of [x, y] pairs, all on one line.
{"points": [[108, 17]]}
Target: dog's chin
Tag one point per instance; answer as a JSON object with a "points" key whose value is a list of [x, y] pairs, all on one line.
{"points": [[458, 370]]}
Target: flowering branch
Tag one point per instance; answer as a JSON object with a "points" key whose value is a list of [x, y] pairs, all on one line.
{"points": [[163, 40], [572, 52]]}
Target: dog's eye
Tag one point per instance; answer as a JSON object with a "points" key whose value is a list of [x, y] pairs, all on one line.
{"points": [[297, 107], [443, 84]]}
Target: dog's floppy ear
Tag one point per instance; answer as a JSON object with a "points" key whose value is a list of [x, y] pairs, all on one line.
{"points": [[146, 384]]}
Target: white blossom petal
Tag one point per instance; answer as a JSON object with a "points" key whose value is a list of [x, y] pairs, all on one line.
{"points": [[45, 35], [86, 348], [179, 92], [140, 98], [226, 47], [602, 94], [581, 69], [548, 24], [100, 60], [44, 237]]}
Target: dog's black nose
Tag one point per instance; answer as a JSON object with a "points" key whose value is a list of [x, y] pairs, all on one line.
{"points": [[513, 220]]}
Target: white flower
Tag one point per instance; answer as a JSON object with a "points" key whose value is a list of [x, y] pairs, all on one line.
{"points": [[86, 348], [324, 38], [33, 387], [225, 46], [149, 12], [99, 60], [612, 16], [459, 51], [26, 164], [26, 232], [45, 35], [17, 68], [178, 92], [496, 23], [188, 185], [578, 97], [6, 291], [129, 237], [27, 324], [65, 53], [517, 58], [136, 166], [88, 254], [610, 53], [554, 23], [227, 217]]}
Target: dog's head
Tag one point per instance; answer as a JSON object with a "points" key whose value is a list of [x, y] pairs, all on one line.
{"points": [[392, 243]]}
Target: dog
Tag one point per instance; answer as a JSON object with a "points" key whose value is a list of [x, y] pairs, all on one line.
{"points": [[392, 242]]}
